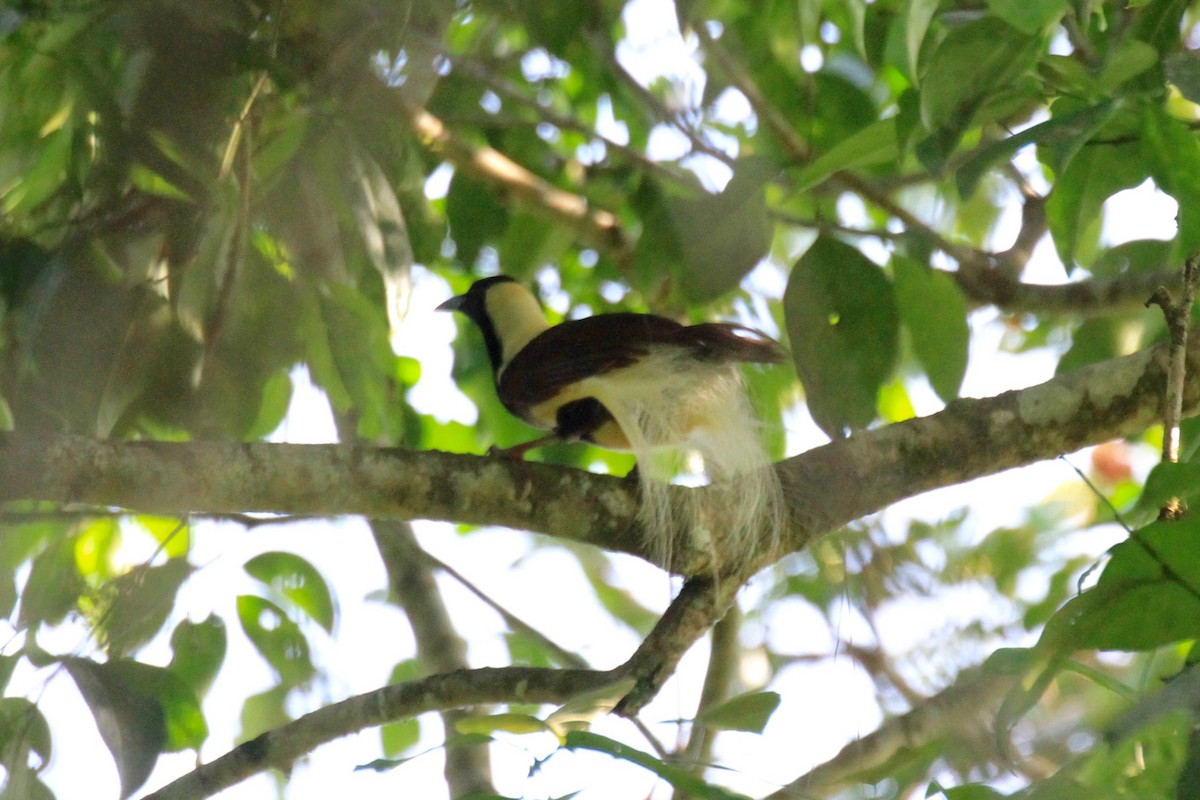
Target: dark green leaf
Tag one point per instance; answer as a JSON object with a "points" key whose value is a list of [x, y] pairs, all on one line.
{"points": [[131, 720], [843, 327], [277, 638], [723, 236], [476, 217], [971, 62], [53, 587], [142, 599], [935, 314], [1100, 339], [297, 580], [747, 712], [23, 730], [1067, 131]]}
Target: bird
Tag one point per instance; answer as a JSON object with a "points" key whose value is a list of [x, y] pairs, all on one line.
{"points": [[672, 394]]}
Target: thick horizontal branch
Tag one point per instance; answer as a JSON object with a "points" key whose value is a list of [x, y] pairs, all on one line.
{"points": [[279, 748], [832, 485], [325, 480], [826, 487]]}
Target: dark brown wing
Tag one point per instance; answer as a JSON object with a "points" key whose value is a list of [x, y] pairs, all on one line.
{"points": [[578, 349], [582, 348]]}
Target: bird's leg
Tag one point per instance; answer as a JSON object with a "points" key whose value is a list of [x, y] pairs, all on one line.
{"points": [[516, 454]]}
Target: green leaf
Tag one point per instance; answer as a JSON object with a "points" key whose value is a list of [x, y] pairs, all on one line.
{"points": [[1091, 177], [276, 399], [747, 712], [1029, 16], [172, 533], [968, 65], [278, 639], [1167, 481], [1102, 338], [1066, 131], [53, 586], [1148, 595], [198, 650], [916, 23], [153, 183], [681, 779], [1129, 60], [935, 314], [475, 215], [131, 720], [23, 730], [1172, 153], [724, 236], [264, 711], [141, 601], [844, 329], [875, 144], [297, 580]]}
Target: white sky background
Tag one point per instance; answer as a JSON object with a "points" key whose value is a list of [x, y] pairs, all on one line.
{"points": [[824, 705]]}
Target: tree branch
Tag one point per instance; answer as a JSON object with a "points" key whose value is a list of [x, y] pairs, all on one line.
{"points": [[279, 748], [826, 487]]}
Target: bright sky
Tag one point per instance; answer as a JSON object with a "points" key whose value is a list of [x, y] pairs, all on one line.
{"points": [[825, 704]]}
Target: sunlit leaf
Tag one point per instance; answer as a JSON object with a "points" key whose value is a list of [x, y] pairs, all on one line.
{"points": [[277, 638], [198, 651], [747, 712], [297, 580]]}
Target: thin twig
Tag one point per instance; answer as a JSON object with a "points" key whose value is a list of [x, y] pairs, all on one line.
{"points": [[557, 651], [1178, 316]]}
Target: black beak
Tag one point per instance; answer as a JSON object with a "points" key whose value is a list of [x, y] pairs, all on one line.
{"points": [[453, 304]]}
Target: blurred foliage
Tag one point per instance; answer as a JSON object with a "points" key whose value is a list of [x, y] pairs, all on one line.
{"points": [[200, 199]]}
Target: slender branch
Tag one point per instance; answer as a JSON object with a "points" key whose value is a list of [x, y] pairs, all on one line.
{"points": [[598, 227], [279, 748], [700, 604], [556, 651], [439, 647], [722, 663], [797, 149]]}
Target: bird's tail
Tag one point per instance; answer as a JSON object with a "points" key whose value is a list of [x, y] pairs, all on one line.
{"points": [[699, 422]]}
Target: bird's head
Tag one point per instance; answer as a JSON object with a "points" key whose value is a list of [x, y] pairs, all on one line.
{"points": [[506, 312]]}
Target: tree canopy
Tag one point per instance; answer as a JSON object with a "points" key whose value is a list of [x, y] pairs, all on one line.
{"points": [[948, 212]]}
